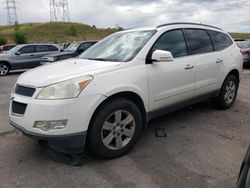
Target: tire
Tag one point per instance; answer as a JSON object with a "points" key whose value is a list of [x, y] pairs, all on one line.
{"points": [[109, 136], [228, 92], [4, 69]]}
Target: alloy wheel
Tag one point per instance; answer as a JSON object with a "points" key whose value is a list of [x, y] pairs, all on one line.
{"points": [[4, 69], [118, 129], [230, 92]]}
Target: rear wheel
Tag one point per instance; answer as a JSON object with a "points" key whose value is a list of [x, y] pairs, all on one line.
{"points": [[115, 129], [4, 69], [228, 92]]}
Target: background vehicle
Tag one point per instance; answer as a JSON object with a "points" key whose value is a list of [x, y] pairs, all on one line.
{"points": [[24, 56], [244, 175], [63, 46], [105, 96], [6, 47], [72, 50], [244, 46]]}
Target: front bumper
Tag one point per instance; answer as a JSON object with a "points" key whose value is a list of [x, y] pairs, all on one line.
{"points": [[71, 143]]}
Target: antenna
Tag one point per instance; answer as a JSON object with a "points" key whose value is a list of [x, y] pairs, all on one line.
{"points": [[59, 11], [11, 12]]}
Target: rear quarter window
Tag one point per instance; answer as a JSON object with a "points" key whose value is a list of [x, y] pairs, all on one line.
{"points": [[199, 41], [220, 40]]}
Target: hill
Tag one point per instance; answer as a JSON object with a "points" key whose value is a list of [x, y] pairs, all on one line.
{"points": [[240, 35], [56, 32], [59, 32]]}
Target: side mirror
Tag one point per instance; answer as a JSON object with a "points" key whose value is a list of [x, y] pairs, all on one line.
{"points": [[162, 56], [18, 53], [244, 175]]}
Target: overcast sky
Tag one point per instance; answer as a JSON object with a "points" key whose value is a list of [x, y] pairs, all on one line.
{"points": [[231, 15]]}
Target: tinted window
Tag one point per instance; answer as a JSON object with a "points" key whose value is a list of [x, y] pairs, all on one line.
{"points": [[172, 41], [27, 49], [220, 40], [42, 48], [199, 41], [52, 48]]}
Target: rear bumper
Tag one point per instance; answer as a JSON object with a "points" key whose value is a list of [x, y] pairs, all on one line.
{"points": [[71, 143]]}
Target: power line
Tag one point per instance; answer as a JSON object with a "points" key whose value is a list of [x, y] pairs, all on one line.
{"points": [[11, 12], [59, 11]]}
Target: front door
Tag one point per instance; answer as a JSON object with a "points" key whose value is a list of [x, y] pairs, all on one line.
{"points": [[172, 82]]}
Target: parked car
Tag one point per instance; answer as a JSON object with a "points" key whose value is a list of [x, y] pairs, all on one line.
{"points": [[244, 45], [244, 175], [63, 46], [6, 47], [24, 56], [72, 50], [105, 97]]}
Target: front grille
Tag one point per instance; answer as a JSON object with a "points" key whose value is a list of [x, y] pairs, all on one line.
{"points": [[18, 108], [26, 91]]}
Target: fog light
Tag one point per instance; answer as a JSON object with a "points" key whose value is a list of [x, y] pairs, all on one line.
{"points": [[50, 125]]}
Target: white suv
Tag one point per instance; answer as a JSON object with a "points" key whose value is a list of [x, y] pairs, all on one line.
{"points": [[104, 98]]}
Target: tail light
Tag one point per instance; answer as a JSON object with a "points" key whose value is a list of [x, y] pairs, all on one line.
{"points": [[244, 52]]}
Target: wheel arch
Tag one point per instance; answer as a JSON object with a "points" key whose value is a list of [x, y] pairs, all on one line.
{"points": [[129, 95], [234, 72], [6, 63]]}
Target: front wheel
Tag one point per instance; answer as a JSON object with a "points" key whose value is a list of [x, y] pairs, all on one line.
{"points": [[4, 69], [115, 128], [228, 92]]}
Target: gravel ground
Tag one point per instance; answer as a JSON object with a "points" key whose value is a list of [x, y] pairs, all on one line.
{"points": [[204, 147]]}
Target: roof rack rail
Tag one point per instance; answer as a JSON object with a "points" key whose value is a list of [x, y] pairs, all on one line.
{"points": [[175, 23]]}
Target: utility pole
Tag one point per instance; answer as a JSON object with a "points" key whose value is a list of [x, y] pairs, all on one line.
{"points": [[11, 12], [59, 11]]}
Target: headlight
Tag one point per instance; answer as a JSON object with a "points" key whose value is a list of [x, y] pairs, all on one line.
{"points": [[65, 89]]}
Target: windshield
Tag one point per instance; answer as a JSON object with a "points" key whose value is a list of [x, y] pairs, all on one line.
{"points": [[244, 44], [120, 47], [12, 50], [72, 47]]}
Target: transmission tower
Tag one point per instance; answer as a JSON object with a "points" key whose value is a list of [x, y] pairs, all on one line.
{"points": [[11, 12], [59, 11]]}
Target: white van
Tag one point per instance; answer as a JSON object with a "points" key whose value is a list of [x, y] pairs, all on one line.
{"points": [[104, 98]]}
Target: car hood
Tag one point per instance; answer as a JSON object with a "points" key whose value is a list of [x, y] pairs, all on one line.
{"points": [[56, 72], [3, 55]]}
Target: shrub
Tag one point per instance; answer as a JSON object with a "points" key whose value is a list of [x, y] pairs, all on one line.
{"points": [[20, 37], [72, 31], [3, 41]]}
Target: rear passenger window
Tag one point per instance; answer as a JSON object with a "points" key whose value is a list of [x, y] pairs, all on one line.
{"points": [[172, 41], [42, 48], [220, 40], [52, 48], [199, 41]]}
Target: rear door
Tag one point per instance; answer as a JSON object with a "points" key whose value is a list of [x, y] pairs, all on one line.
{"points": [[207, 62]]}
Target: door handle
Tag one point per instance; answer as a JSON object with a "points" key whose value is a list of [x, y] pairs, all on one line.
{"points": [[219, 60], [189, 67], [32, 55]]}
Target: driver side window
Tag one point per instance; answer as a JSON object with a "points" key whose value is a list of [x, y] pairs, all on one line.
{"points": [[27, 49], [172, 41]]}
